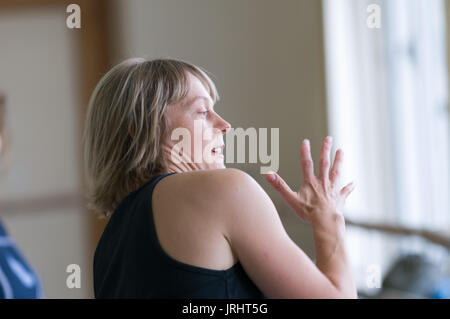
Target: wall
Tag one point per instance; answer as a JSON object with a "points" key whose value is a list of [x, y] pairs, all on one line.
{"points": [[38, 75]]}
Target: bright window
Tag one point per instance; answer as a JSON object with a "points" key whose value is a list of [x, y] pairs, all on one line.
{"points": [[388, 110]]}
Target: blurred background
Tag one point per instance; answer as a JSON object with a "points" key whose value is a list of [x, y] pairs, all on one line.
{"points": [[373, 74]]}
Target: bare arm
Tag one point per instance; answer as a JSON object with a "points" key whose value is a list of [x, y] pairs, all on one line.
{"points": [[271, 259], [320, 203]]}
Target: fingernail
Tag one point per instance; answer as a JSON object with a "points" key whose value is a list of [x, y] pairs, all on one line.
{"points": [[307, 142], [330, 139], [271, 176]]}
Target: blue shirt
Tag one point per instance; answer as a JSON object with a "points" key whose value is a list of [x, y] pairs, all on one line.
{"points": [[17, 279]]}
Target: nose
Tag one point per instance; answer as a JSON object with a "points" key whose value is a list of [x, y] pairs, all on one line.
{"points": [[222, 125]]}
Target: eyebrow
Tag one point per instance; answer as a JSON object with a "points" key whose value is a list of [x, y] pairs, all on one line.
{"points": [[200, 97]]}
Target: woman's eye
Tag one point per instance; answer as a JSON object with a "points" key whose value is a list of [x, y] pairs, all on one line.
{"points": [[204, 113]]}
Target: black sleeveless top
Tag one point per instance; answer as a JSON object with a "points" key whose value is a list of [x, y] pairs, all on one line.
{"points": [[129, 262]]}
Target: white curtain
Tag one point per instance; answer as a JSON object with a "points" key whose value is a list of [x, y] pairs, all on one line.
{"points": [[388, 110]]}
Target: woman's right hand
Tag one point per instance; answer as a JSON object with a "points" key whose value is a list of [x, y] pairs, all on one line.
{"points": [[318, 198]]}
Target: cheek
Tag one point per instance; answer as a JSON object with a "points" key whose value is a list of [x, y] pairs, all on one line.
{"points": [[182, 123], [190, 125], [179, 118], [209, 137]]}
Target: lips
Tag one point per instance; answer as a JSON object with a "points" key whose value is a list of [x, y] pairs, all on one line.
{"points": [[218, 150]]}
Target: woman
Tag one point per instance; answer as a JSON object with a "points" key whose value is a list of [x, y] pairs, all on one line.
{"points": [[183, 228], [17, 279]]}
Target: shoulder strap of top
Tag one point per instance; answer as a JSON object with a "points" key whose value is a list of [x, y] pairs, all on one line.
{"points": [[160, 177], [152, 183]]}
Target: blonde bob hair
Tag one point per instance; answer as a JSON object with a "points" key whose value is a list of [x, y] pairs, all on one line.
{"points": [[126, 124]]}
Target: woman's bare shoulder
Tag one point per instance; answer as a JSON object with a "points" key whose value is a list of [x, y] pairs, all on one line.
{"points": [[215, 191], [224, 182]]}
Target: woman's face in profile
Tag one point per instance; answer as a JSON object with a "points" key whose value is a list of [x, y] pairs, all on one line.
{"points": [[196, 130]]}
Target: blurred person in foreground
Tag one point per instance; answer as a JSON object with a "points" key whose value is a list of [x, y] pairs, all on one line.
{"points": [[17, 279], [180, 227]]}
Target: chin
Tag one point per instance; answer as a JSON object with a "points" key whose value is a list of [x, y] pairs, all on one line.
{"points": [[214, 162], [216, 166]]}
